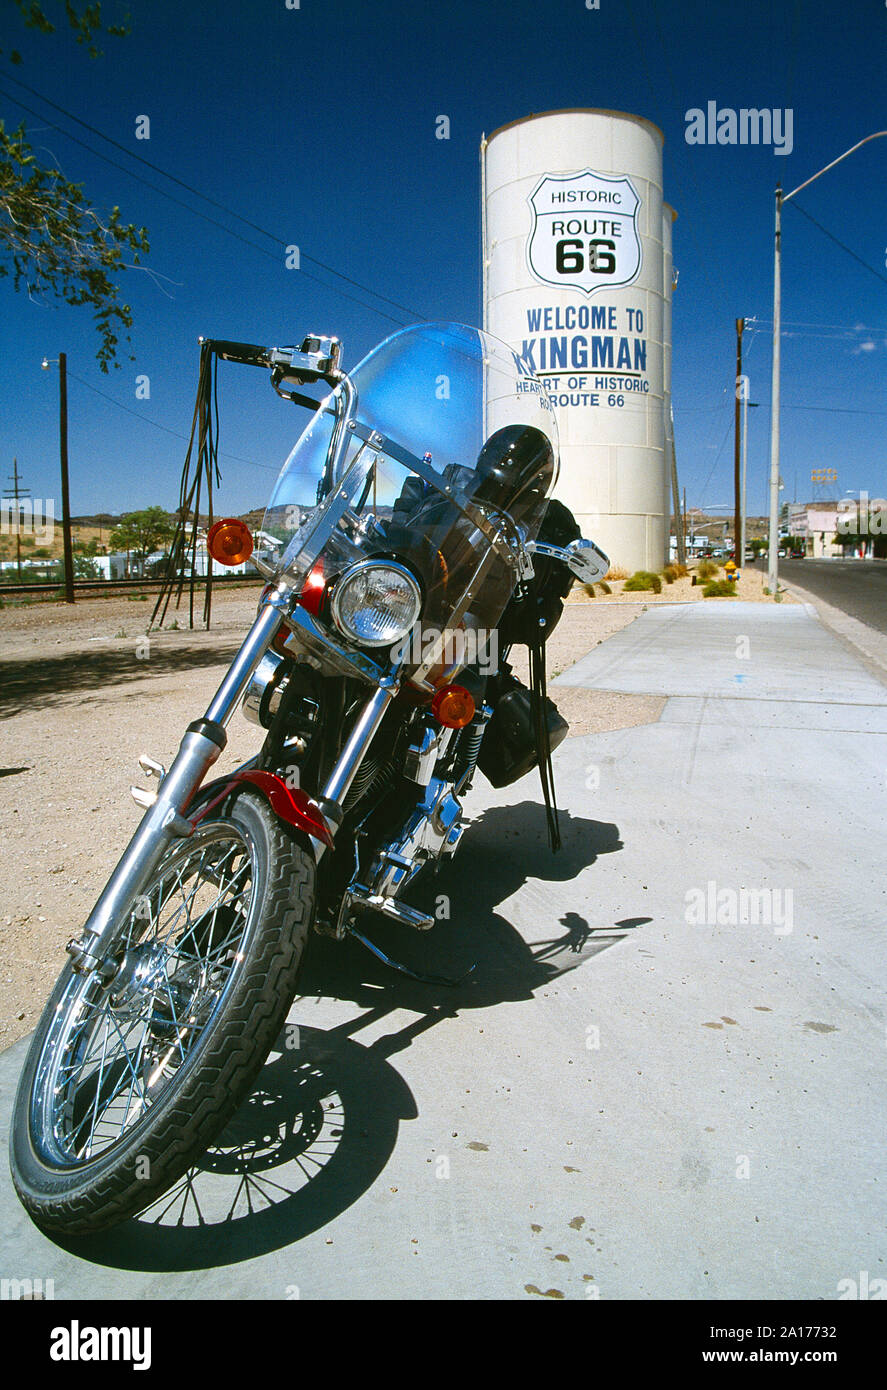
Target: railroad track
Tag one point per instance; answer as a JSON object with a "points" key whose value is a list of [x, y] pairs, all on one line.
{"points": [[92, 588]]}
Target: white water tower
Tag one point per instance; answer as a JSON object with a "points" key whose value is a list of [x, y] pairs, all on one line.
{"points": [[577, 278]]}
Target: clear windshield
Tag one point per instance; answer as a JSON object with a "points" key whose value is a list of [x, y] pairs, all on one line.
{"points": [[442, 442]]}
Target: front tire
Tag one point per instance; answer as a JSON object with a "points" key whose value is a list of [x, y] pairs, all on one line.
{"points": [[132, 1073]]}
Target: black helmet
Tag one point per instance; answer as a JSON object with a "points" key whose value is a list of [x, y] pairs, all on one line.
{"points": [[516, 465]]}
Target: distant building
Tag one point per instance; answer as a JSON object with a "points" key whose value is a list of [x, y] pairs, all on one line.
{"points": [[816, 523]]}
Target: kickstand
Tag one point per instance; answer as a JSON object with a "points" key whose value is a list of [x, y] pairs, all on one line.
{"points": [[405, 969]]}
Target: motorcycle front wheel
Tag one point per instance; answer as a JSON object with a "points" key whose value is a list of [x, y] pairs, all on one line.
{"points": [[135, 1069]]}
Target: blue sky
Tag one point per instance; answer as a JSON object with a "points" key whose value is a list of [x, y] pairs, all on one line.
{"points": [[318, 125]]}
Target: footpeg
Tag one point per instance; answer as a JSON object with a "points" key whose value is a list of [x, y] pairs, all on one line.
{"points": [[152, 768], [140, 795], [390, 907]]}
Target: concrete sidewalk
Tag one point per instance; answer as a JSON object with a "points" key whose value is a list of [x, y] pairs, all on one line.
{"points": [[637, 1094]]}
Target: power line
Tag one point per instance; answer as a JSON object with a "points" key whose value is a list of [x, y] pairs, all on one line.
{"points": [[157, 426], [835, 409], [213, 221], [198, 194], [717, 456], [843, 247], [787, 323]]}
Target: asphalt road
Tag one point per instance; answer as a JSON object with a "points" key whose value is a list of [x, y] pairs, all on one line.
{"points": [[857, 587]]}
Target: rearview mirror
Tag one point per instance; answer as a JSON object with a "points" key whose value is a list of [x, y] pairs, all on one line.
{"points": [[586, 560]]}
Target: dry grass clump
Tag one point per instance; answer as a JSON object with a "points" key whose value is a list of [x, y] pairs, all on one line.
{"points": [[641, 581], [600, 584]]}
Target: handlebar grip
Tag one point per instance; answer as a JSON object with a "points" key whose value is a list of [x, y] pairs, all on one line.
{"points": [[248, 354]]}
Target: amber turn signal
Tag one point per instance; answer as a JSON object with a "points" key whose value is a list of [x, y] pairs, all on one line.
{"points": [[230, 541], [453, 707]]}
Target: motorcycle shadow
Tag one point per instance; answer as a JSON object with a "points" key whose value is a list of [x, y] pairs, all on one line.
{"points": [[322, 1120], [473, 896]]}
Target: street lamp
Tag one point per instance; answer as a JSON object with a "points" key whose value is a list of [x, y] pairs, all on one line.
{"points": [[772, 562], [67, 547]]}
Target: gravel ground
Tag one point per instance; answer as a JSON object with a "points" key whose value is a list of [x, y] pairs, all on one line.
{"points": [[81, 696]]}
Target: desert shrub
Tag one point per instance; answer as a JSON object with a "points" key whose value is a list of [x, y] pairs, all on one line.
{"points": [[719, 588], [680, 571], [604, 586], [589, 589], [669, 575], [643, 580], [616, 572], [706, 569]]}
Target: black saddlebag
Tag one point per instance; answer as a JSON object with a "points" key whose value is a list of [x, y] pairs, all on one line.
{"points": [[509, 747]]}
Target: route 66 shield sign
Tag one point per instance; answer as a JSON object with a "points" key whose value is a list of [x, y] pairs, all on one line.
{"points": [[585, 234]]}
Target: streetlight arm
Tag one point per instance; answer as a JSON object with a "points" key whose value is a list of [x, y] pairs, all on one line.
{"points": [[877, 135], [772, 563]]}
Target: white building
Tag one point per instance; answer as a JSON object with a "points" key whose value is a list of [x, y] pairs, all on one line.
{"points": [[816, 523]]}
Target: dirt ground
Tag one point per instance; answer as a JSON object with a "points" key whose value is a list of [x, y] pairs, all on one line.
{"points": [[749, 589], [83, 693]]}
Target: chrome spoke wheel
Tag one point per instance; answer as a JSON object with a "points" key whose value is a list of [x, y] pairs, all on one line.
{"points": [[121, 1036], [136, 1067]]}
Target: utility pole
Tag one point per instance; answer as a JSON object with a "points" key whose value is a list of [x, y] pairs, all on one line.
{"points": [[679, 528], [66, 505], [738, 555], [746, 406], [67, 547], [773, 529], [16, 492]]}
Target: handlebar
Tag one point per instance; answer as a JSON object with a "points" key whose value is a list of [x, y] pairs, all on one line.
{"points": [[248, 354], [316, 359]]}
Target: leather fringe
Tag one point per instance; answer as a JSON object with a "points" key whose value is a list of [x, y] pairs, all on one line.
{"points": [[205, 431]]}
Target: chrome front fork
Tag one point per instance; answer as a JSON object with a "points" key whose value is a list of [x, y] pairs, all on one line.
{"points": [[203, 742], [352, 755], [165, 819]]}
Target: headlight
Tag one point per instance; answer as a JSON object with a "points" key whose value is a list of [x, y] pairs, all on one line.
{"points": [[375, 603]]}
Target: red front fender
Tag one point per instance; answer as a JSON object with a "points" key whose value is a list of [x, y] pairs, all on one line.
{"points": [[291, 804]]}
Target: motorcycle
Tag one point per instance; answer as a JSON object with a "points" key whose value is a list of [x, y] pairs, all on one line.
{"points": [[410, 542]]}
